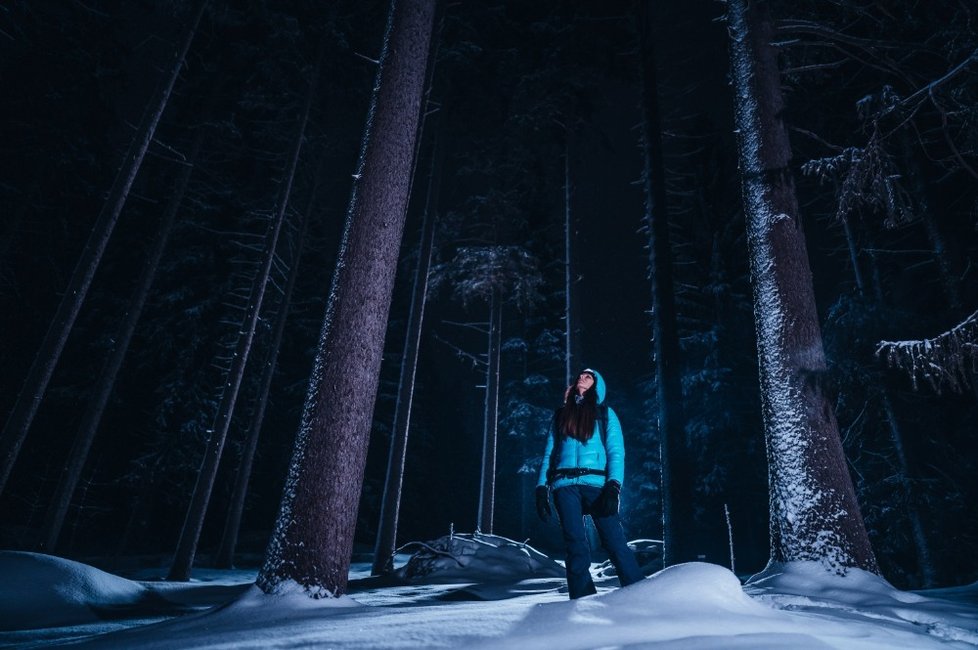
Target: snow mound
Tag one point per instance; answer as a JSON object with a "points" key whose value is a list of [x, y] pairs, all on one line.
{"points": [[856, 587], [667, 606], [964, 594], [480, 557], [694, 586], [809, 587], [39, 590]]}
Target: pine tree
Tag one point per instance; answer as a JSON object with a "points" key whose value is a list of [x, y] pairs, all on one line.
{"points": [[200, 499], [54, 518], [313, 540], [814, 513], [495, 275], [224, 558], [677, 467], [390, 506]]}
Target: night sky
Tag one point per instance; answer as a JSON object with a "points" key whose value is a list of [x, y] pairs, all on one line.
{"points": [[516, 85]]}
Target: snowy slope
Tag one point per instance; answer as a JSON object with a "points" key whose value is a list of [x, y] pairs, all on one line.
{"points": [[693, 605]]}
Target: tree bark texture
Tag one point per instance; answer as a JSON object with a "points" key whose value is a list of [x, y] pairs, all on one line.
{"points": [[183, 558], [54, 518], [677, 469], [22, 415], [814, 513], [487, 492], [391, 504], [312, 544]]}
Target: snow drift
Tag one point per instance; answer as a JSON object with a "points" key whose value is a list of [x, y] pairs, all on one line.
{"points": [[695, 605], [44, 591]]}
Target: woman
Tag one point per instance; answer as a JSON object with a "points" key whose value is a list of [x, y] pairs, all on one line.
{"points": [[583, 466]]}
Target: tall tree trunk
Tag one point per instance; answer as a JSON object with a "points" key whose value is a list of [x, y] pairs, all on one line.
{"points": [[22, 415], [949, 281], [54, 518], [313, 540], [487, 492], [390, 506], [568, 267], [854, 257], [386, 543], [676, 465], [527, 478], [814, 513], [925, 560], [183, 558], [224, 558]]}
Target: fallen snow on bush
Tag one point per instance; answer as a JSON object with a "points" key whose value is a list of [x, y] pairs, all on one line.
{"points": [[461, 556]]}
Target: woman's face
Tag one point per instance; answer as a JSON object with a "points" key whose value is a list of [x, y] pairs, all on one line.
{"points": [[584, 381]]}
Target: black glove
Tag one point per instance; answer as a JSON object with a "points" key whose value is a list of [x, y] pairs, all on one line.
{"points": [[543, 503], [607, 502]]}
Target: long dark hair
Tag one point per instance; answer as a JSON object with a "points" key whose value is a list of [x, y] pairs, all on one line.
{"points": [[574, 419]]}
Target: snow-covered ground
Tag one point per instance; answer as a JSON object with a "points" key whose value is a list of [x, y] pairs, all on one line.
{"points": [[485, 592]]}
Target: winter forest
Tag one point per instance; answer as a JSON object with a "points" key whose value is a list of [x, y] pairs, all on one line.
{"points": [[290, 292]]}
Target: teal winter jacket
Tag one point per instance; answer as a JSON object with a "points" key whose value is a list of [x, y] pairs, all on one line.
{"points": [[608, 454]]}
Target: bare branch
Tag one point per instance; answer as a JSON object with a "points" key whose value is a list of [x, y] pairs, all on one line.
{"points": [[462, 354], [929, 88]]}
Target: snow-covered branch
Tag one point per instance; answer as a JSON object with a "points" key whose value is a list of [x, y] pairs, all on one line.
{"points": [[947, 360]]}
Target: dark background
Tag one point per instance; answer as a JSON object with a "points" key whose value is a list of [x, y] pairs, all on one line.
{"points": [[516, 84]]}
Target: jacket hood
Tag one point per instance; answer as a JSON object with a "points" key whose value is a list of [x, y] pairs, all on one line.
{"points": [[599, 386]]}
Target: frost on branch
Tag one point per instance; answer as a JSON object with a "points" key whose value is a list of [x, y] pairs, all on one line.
{"points": [[948, 360], [866, 177], [476, 271]]}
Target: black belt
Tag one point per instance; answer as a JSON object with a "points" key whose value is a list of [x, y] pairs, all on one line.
{"points": [[573, 472]]}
